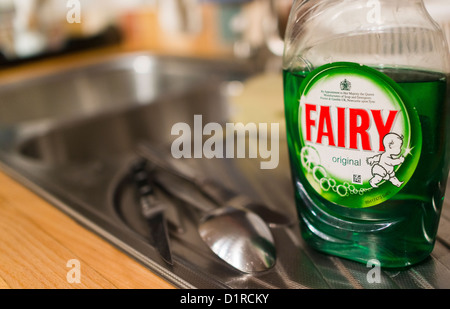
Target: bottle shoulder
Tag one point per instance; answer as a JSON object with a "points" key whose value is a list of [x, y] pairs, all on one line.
{"points": [[330, 31]]}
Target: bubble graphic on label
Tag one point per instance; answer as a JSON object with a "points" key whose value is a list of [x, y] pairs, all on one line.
{"points": [[319, 172], [309, 158]]}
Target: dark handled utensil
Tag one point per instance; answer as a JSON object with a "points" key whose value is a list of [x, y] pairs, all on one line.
{"points": [[237, 235], [152, 210], [214, 191]]}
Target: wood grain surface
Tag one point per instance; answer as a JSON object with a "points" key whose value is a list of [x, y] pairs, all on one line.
{"points": [[37, 241]]}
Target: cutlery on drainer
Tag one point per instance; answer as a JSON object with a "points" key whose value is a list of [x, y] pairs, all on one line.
{"points": [[237, 235], [152, 209], [214, 191]]}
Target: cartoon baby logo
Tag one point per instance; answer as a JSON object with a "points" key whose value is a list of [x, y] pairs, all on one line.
{"points": [[383, 164]]}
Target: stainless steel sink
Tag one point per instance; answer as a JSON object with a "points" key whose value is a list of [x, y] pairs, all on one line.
{"points": [[70, 136], [120, 123]]}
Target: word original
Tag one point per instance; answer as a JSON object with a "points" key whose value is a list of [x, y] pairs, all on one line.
{"points": [[346, 161]]}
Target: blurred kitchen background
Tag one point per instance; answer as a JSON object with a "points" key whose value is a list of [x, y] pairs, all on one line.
{"points": [[243, 29]]}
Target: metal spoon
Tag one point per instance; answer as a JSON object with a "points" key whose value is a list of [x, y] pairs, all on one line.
{"points": [[240, 238], [235, 234]]}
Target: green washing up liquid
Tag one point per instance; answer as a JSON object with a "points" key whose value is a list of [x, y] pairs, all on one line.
{"points": [[368, 159]]}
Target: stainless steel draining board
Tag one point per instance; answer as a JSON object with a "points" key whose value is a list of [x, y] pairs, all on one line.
{"points": [[112, 215]]}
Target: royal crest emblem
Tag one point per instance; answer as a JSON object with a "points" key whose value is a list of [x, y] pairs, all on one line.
{"points": [[346, 85]]}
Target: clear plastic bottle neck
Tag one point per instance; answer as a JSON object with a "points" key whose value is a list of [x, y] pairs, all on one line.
{"points": [[394, 33]]}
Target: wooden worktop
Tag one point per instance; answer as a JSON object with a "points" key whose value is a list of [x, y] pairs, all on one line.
{"points": [[37, 241]]}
